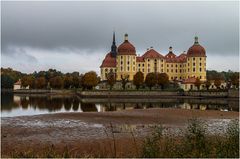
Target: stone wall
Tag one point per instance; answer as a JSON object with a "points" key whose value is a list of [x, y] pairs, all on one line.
{"points": [[126, 93], [206, 94], [233, 93]]}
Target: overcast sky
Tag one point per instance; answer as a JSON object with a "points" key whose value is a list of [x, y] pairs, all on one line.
{"points": [[75, 36]]}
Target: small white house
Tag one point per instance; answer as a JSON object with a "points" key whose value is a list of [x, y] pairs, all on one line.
{"points": [[18, 85], [189, 84]]}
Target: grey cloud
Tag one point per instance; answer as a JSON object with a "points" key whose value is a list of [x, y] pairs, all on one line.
{"points": [[89, 25], [86, 28]]}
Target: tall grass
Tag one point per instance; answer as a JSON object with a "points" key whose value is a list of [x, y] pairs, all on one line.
{"points": [[193, 142]]}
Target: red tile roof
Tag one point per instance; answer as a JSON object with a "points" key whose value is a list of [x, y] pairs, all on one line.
{"points": [[172, 58], [196, 51], [152, 54], [139, 59], [126, 48], [18, 82], [109, 61], [190, 80]]}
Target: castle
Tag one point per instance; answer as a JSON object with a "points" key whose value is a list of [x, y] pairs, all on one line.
{"points": [[123, 61]]}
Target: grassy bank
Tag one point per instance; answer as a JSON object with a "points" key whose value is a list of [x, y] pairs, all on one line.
{"points": [[192, 142]]}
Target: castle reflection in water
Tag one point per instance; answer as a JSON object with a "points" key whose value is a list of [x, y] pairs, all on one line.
{"points": [[71, 103]]}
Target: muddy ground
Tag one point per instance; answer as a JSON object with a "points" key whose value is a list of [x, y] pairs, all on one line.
{"points": [[94, 133]]}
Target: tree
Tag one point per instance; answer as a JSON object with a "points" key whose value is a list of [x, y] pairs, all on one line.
{"points": [[138, 79], [162, 79], [111, 79], [217, 83], [124, 80], [40, 82], [68, 81], [6, 82], [90, 80], [28, 80], [151, 80], [56, 82], [197, 83], [234, 78], [77, 81], [208, 84]]}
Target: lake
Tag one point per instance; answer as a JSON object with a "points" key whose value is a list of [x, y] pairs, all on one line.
{"points": [[22, 105]]}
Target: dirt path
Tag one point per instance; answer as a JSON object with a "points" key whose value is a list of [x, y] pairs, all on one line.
{"points": [[19, 133]]}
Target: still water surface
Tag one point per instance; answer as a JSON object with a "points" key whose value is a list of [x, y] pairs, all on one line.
{"points": [[20, 105]]}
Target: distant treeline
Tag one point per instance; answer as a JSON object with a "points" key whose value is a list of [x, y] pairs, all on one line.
{"points": [[58, 80], [48, 79]]}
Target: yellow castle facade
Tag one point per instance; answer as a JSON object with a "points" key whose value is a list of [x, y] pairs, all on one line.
{"points": [[124, 62]]}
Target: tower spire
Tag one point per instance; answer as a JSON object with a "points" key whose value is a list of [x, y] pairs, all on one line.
{"points": [[114, 47], [114, 37], [195, 40]]}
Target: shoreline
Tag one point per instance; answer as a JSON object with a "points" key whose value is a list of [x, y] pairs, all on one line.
{"points": [[61, 129], [230, 94]]}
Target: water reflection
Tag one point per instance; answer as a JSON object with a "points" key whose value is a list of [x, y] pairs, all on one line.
{"points": [[13, 105]]}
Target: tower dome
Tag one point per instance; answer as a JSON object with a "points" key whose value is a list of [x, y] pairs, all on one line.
{"points": [[126, 48], [196, 50]]}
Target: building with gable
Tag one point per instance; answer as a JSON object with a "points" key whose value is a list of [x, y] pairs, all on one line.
{"points": [[123, 61]]}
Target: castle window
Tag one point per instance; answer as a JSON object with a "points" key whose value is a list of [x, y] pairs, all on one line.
{"points": [[162, 65], [194, 59], [121, 62], [121, 68], [167, 70], [180, 70], [172, 65], [139, 70], [188, 64], [106, 70], [200, 64], [155, 60], [176, 70], [180, 65], [139, 65], [200, 77], [162, 60], [193, 69], [161, 70], [171, 70], [133, 68], [148, 70], [176, 65], [188, 70], [143, 69], [200, 58], [148, 60], [148, 65], [128, 68], [200, 69], [194, 64], [133, 63], [143, 64], [167, 65], [121, 57], [128, 62]]}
